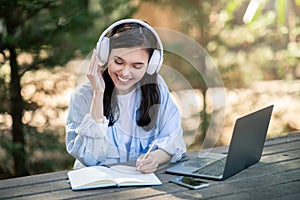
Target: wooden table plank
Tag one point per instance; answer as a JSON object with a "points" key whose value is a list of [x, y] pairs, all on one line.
{"points": [[140, 192], [254, 187], [282, 139], [283, 147], [37, 184], [34, 179], [275, 176]]}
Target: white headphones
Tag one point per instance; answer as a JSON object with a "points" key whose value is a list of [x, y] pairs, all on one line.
{"points": [[156, 59]]}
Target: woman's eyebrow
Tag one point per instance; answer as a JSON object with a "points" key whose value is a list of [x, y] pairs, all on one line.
{"points": [[118, 57], [136, 63]]}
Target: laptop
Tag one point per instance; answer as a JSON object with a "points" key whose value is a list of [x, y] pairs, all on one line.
{"points": [[245, 149]]}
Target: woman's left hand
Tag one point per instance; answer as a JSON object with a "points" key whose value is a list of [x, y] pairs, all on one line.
{"points": [[148, 165], [152, 161]]}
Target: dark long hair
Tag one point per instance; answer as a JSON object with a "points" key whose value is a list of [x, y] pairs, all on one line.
{"points": [[126, 36]]}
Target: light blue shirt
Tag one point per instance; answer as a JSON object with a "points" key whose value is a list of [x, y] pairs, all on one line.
{"points": [[93, 143]]}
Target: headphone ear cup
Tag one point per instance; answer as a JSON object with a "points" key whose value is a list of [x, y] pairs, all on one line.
{"points": [[103, 50], [154, 62]]}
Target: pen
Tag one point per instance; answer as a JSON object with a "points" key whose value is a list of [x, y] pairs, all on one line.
{"points": [[149, 150]]}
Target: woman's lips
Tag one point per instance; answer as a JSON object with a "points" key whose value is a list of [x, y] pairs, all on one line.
{"points": [[124, 80]]}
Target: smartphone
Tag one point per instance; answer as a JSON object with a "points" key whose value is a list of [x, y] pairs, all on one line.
{"points": [[190, 182]]}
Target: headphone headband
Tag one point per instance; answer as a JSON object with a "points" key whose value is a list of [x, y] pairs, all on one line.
{"points": [[124, 21]]}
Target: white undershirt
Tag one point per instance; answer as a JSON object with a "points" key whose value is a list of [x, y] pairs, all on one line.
{"points": [[126, 104]]}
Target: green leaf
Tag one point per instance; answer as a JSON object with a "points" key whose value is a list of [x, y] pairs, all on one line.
{"points": [[281, 7]]}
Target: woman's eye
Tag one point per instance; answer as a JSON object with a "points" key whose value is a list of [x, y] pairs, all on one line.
{"points": [[118, 62], [137, 66]]}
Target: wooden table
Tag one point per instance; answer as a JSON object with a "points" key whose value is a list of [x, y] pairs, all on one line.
{"points": [[276, 176]]}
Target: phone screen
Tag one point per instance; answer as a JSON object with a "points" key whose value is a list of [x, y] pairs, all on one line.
{"points": [[192, 181], [189, 182]]}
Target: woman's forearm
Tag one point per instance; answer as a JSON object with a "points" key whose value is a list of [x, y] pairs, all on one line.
{"points": [[161, 156]]}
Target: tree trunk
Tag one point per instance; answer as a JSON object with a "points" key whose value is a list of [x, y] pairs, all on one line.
{"points": [[201, 133], [16, 111]]}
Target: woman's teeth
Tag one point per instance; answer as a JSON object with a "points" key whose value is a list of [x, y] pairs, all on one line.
{"points": [[123, 79]]}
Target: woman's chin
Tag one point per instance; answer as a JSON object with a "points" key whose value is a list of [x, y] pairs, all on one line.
{"points": [[124, 89]]}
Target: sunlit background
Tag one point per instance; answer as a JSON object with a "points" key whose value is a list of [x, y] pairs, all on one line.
{"points": [[255, 44]]}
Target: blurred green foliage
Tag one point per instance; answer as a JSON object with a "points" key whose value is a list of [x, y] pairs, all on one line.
{"points": [[265, 48], [249, 41]]}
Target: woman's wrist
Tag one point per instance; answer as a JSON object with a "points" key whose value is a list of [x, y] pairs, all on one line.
{"points": [[97, 107], [98, 93], [161, 156]]}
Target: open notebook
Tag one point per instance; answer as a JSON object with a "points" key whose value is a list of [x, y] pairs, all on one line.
{"points": [[118, 175]]}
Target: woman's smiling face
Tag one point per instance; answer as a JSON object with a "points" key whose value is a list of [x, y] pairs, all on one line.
{"points": [[126, 67]]}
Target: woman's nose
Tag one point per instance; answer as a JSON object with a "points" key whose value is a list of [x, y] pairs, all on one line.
{"points": [[126, 70]]}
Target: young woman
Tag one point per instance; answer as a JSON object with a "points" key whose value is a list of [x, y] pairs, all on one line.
{"points": [[125, 105]]}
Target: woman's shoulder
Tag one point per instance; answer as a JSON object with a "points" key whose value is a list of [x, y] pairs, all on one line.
{"points": [[161, 82], [84, 89], [163, 87]]}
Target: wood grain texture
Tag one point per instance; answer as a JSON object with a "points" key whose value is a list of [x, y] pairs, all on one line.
{"points": [[276, 176]]}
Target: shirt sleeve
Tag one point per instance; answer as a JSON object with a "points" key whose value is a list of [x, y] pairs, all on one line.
{"points": [[170, 137], [85, 138]]}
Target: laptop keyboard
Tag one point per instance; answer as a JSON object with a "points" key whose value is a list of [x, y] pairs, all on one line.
{"points": [[198, 162], [213, 169]]}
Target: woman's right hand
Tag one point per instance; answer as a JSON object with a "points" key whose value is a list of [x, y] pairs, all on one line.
{"points": [[95, 74], [95, 77]]}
